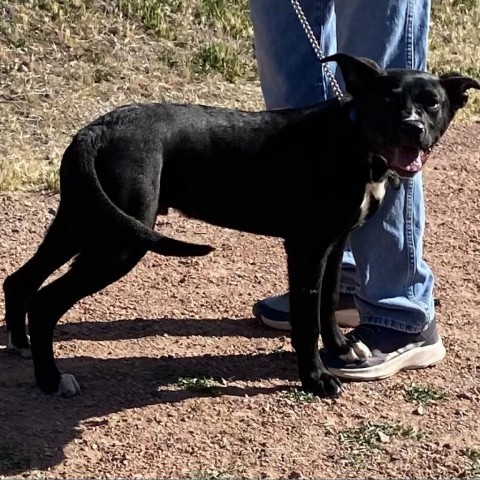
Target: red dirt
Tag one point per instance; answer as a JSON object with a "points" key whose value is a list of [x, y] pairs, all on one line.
{"points": [[129, 345]]}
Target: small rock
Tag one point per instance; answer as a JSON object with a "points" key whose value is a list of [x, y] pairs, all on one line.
{"points": [[383, 437], [420, 410]]}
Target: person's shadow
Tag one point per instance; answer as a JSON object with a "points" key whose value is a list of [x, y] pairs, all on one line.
{"points": [[35, 428]]}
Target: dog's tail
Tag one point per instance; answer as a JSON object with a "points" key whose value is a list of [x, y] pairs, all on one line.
{"points": [[82, 153]]}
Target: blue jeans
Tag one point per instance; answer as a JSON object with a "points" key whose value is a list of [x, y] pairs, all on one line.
{"points": [[383, 263]]}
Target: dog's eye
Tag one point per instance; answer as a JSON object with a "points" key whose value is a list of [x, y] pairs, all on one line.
{"points": [[430, 102], [432, 105]]}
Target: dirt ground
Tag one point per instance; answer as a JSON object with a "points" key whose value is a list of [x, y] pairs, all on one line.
{"points": [[137, 347]]}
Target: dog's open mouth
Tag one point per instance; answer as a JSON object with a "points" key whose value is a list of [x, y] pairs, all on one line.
{"points": [[406, 161]]}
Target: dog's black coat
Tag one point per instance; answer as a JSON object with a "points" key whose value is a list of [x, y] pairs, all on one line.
{"points": [[298, 174]]}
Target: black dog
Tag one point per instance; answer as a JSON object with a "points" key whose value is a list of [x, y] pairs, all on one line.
{"points": [[322, 170]]}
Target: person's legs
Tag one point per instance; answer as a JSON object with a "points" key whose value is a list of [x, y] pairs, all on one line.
{"points": [[292, 76], [290, 73], [395, 285]]}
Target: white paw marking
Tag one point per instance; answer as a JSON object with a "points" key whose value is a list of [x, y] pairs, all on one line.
{"points": [[349, 357], [24, 352], [362, 351], [358, 351], [68, 386]]}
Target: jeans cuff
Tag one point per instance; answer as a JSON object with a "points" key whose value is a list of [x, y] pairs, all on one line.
{"points": [[399, 325]]}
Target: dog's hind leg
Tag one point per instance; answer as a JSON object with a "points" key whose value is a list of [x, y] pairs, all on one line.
{"points": [[57, 248], [333, 338], [91, 272]]}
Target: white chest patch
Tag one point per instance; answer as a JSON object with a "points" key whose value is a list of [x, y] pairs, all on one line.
{"points": [[374, 195]]}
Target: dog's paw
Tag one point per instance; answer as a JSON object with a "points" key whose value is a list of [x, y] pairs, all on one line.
{"points": [[24, 352], [323, 385], [68, 387], [357, 351]]}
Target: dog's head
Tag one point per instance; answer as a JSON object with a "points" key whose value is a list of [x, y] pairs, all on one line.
{"points": [[402, 112]]}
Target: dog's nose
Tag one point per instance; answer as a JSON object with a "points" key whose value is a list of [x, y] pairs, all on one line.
{"points": [[413, 128]]}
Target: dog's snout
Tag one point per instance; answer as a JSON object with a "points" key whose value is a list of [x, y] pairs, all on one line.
{"points": [[413, 128]]}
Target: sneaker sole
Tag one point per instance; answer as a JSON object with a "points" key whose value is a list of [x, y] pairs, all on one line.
{"points": [[417, 358], [345, 319]]}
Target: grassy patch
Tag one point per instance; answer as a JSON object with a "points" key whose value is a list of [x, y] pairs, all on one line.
{"points": [[473, 458], [371, 435], [28, 174], [198, 385], [66, 9], [363, 441], [455, 42], [220, 57], [208, 36], [299, 396], [230, 16], [157, 16], [423, 394], [212, 474], [64, 62]]}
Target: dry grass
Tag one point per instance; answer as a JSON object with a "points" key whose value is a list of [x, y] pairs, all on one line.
{"points": [[455, 42], [62, 63]]}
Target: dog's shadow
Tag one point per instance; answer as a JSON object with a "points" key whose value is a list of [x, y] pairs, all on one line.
{"points": [[36, 428], [139, 328]]}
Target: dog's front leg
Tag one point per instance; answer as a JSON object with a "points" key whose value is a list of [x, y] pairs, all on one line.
{"points": [[306, 265], [333, 338]]}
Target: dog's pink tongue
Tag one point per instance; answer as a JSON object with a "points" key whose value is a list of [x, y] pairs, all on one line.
{"points": [[408, 159]]}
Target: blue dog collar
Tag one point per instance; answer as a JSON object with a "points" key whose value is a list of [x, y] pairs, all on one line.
{"points": [[353, 115]]}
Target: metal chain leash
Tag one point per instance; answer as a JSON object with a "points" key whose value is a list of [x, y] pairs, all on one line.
{"points": [[316, 47]]}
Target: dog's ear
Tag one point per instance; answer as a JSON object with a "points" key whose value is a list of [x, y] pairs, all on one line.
{"points": [[456, 86], [357, 72]]}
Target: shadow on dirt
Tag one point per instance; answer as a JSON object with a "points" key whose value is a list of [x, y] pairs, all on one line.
{"points": [[35, 428], [138, 328]]}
